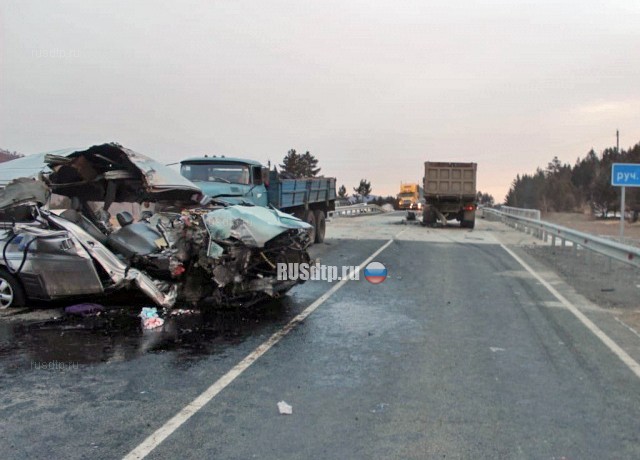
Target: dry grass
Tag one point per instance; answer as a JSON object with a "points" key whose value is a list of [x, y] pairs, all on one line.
{"points": [[588, 224]]}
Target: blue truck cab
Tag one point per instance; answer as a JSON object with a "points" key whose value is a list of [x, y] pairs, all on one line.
{"points": [[242, 181]]}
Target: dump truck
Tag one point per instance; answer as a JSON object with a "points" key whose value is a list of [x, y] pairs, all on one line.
{"points": [[242, 181], [449, 193], [409, 197]]}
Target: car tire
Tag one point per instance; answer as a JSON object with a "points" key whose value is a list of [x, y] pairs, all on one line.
{"points": [[310, 218], [321, 225], [11, 292]]}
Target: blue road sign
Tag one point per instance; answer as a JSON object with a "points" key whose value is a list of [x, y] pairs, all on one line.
{"points": [[625, 174]]}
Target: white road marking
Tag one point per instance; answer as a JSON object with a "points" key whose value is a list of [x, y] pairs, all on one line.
{"points": [[495, 349], [162, 433], [626, 325], [613, 346]]}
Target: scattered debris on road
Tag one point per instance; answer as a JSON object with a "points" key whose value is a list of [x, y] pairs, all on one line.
{"points": [[379, 408], [182, 312], [150, 318], [284, 408], [84, 309]]}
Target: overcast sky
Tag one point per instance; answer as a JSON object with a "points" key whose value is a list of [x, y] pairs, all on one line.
{"points": [[372, 88]]}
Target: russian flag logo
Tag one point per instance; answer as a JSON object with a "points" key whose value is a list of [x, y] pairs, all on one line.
{"points": [[375, 273]]}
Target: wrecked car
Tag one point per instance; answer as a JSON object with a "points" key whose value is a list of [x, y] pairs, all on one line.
{"points": [[189, 251]]}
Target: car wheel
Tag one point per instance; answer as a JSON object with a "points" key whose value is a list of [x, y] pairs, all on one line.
{"points": [[321, 225], [11, 293]]}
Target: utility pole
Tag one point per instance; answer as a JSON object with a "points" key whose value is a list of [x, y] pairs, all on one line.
{"points": [[622, 189]]}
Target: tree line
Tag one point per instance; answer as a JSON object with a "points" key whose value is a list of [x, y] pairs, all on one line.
{"points": [[6, 155], [585, 185], [297, 165]]}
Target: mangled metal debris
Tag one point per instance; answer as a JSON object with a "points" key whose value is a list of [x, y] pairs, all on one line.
{"points": [[219, 254]]}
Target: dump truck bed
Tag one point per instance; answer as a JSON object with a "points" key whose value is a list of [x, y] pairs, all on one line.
{"points": [[454, 180]]}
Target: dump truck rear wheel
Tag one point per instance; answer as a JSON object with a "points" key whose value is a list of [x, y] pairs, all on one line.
{"points": [[321, 225], [428, 217]]}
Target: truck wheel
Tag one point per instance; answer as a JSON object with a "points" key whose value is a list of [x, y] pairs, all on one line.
{"points": [[321, 225], [11, 293], [310, 218], [428, 217]]}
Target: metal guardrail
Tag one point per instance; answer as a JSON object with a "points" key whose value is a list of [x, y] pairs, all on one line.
{"points": [[545, 230], [355, 210], [522, 212]]}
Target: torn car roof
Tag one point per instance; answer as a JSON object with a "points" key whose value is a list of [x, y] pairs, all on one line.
{"points": [[87, 172]]}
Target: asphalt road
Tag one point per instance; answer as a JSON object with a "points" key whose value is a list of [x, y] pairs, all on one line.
{"points": [[459, 353]]}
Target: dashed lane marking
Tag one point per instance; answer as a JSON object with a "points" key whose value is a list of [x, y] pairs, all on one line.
{"points": [[162, 433]]}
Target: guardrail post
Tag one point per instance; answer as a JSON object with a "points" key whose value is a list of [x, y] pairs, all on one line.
{"points": [[553, 241]]}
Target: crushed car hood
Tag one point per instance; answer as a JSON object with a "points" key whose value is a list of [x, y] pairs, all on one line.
{"points": [[253, 225], [107, 172]]}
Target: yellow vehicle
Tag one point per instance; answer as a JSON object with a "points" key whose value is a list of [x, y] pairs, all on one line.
{"points": [[409, 196]]}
